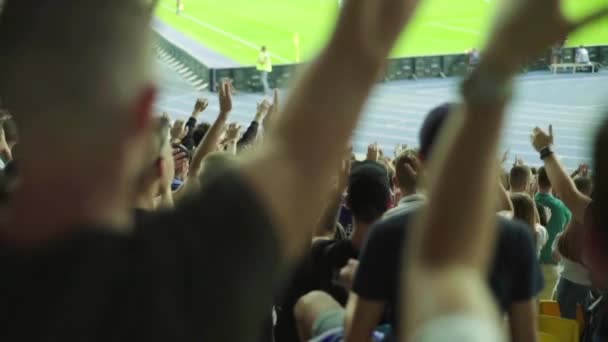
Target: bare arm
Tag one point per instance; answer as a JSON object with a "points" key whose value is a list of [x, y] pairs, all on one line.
{"points": [[562, 183], [522, 316], [504, 201], [327, 101], [362, 318], [451, 245], [209, 142]]}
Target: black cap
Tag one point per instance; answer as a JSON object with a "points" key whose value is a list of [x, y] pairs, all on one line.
{"points": [[431, 127]]}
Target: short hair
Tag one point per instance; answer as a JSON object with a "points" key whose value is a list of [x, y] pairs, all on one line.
{"points": [[543, 178], [216, 163], [584, 185], [404, 178], [88, 58], [431, 127], [520, 176], [368, 191]]}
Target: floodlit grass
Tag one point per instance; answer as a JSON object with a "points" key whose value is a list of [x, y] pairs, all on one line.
{"points": [[236, 28]]}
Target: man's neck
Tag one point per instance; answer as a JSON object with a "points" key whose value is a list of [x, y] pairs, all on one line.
{"points": [[545, 191], [360, 230]]}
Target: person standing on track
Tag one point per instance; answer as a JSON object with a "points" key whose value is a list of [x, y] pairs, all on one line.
{"points": [[179, 7], [264, 66]]}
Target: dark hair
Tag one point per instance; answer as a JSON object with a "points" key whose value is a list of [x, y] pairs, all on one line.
{"points": [[368, 191], [431, 128], [519, 177], [199, 132], [543, 179], [584, 185]]}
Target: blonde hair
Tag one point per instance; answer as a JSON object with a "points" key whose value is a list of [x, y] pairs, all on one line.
{"points": [[69, 64], [524, 209]]}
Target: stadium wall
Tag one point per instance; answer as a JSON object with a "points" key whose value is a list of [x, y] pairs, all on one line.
{"points": [[248, 79]]}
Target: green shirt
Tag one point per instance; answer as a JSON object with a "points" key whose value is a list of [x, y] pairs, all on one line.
{"points": [[560, 216], [264, 62]]}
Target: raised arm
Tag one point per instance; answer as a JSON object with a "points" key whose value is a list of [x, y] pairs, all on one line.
{"points": [[452, 244], [211, 139], [294, 165], [251, 133], [562, 183], [199, 107]]}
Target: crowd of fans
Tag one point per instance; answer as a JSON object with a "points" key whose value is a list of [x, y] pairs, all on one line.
{"points": [[118, 224]]}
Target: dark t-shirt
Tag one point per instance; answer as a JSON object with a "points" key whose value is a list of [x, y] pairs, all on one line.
{"points": [[515, 274], [317, 271], [199, 273], [327, 258]]}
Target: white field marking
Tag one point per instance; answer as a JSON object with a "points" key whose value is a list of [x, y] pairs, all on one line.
{"points": [[226, 34], [454, 28]]}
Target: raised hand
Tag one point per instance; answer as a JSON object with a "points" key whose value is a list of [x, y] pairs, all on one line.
{"points": [[504, 157], [540, 139], [200, 105], [225, 98], [178, 131], [373, 152], [526, 28], [344, 173], [583, 170], [264, 106], [233, 132]]}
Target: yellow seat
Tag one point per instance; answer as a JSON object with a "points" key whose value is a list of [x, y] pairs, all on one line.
{"points": [[580, 318], [550, 308], [565, 330], [544, 337]]}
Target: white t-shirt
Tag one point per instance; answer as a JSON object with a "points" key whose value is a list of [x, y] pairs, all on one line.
{"points": [[571, 270], [582, 56], [541, 238], [460, 328]]}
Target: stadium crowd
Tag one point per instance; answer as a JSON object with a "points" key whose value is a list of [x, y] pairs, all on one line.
{"points": [[121, 225]]}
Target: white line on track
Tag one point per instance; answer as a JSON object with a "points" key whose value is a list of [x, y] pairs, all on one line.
{"points": [[224, 33]]}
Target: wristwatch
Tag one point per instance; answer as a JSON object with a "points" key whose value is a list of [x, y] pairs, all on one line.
{"points": [[486, 90], [545, 152]]}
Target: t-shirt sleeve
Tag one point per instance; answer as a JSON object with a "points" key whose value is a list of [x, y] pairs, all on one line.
{"points": [[221, 255], [373, 280], [529, 280]]}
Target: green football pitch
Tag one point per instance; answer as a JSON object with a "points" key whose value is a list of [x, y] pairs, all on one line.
{"points": [[236, 28]]}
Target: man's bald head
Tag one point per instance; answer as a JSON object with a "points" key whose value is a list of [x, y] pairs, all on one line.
{"points": [[75, 67]]}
